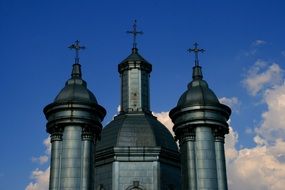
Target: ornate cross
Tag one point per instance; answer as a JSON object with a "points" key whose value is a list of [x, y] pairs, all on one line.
{"points": [[77, 48], [196, 50], [134, 32]]}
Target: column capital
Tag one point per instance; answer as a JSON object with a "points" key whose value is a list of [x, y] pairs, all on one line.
{"points": [[88, 134], [219, 135], [185, 135], [56, 134]]}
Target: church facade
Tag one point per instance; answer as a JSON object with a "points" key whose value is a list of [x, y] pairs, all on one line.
{"points": [[135, 151]]}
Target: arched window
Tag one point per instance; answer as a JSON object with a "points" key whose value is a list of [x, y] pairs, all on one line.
{"points": [[100, 187], [136, 186]]}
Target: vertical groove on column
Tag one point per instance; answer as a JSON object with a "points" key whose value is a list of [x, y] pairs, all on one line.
{"points": [[205, 159], [221, 162]]}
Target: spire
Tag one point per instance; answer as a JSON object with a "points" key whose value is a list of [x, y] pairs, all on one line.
{"points": [[76, 68], [197, 70], [134, 32]]}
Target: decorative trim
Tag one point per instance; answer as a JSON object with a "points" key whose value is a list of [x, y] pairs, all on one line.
{"points": [[56, 134], [88, 134], [185, 135], [219, 135]]}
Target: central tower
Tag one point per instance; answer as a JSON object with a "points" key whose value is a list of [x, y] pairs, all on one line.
{"points": [[136, 151], [135, 72]]}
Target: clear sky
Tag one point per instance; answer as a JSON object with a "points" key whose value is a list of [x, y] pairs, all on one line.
{"points": [[243, 64]]}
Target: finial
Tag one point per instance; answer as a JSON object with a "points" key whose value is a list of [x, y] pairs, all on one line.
{"points": [[134, 32], [76, 68], [196, 50], [76, 47]]}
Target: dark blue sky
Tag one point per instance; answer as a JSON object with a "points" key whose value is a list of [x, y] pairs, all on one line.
{"points": [[35, 60]]}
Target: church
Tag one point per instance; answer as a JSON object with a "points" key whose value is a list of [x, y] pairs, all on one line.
{"points": [[135, 151]]}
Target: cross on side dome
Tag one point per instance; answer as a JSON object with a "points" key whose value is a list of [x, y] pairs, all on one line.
{"points": [[134, 32], [76, 46], [196, 51]]}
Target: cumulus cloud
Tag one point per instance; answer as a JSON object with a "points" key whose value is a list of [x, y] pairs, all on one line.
{"points": [[231, 140], [262, 75], [44, 158], [40, 180], [41, 159], [256, 168], [165, 120], [229, 101], [263, 166], [40, 177], [273, 120], [232, 102]]}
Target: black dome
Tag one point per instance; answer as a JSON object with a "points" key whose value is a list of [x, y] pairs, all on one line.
{"points": [[136, 130], [198, 93], [75, 89]]}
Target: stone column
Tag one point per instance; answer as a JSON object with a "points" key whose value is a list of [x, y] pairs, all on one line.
{"points": [[71, 158], [221, 161], [87, 159], [55, 165], [188, 163], [205, 159]]}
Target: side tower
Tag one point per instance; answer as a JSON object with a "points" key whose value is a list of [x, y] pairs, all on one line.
{"points": [[74, 123], [136, 151], [200, 124]]}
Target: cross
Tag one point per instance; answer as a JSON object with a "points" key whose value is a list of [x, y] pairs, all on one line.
{"points": [[196, 50], [134, 32], [76, 47]]}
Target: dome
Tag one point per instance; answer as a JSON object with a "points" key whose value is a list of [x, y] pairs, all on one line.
{"points": [[134, 59], [198, 93], [136, 130], [199, 106], [75, 89], [134, 56]]}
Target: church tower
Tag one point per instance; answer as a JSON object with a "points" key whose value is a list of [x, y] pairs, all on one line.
{"points": [[200, 124], [136, 151], [74, 124]]}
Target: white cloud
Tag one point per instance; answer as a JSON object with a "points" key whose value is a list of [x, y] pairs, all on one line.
{"points": [[232, 102], [165, 120], [256, 168], [273, 120], [119, 108], [263, 166], [47, 145], [259, 43], [41, 159], [261, 76], [44, 158], [40, 180]]}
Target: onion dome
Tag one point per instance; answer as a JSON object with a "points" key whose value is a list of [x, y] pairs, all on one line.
{"points": [[75, 89], [199, 105], [198, 92], [75, 104]]}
